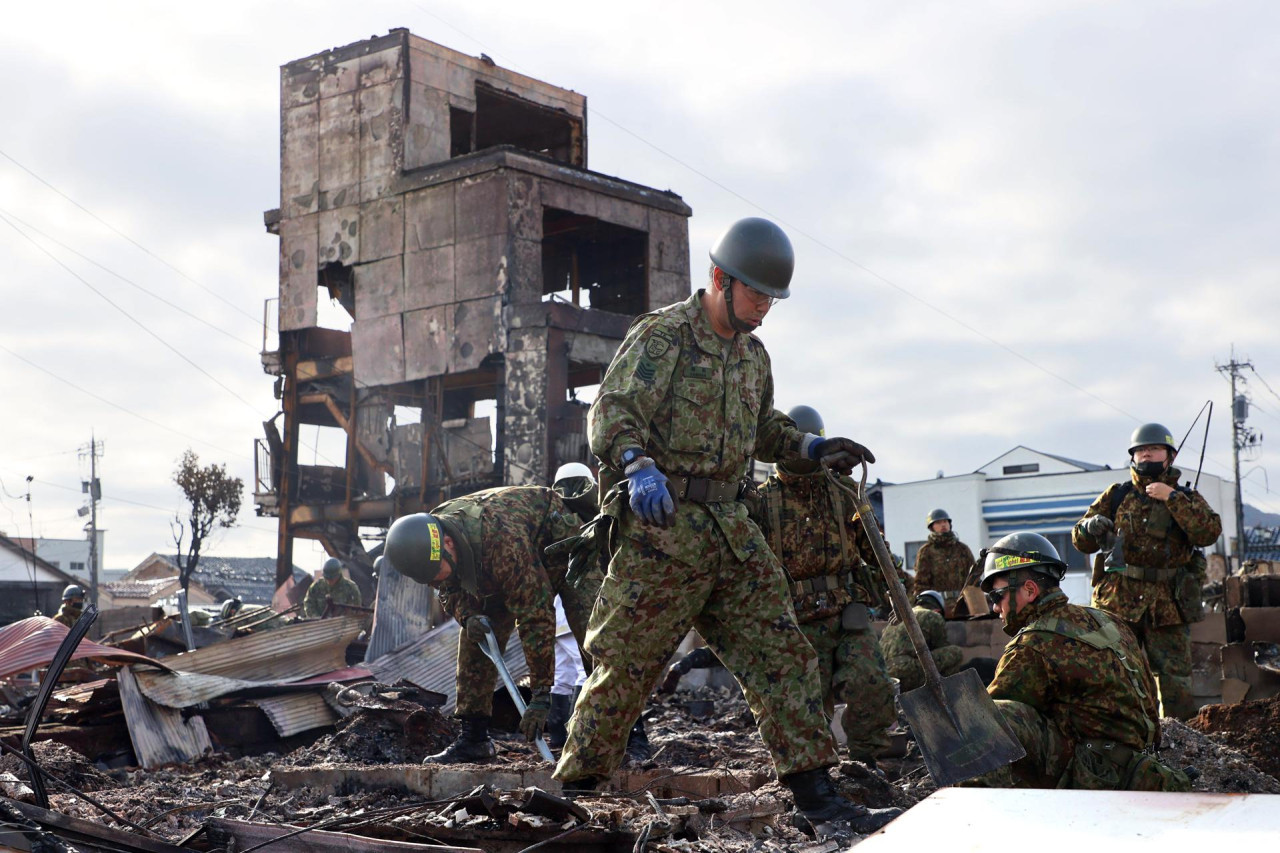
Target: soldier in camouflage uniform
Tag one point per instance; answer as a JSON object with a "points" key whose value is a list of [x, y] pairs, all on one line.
{"points": [[822, 548], [72, 605], [683, 408], [484, 554], [332, 587], [943, 562], [1152, 577], [1073, 684], [900, 655]]}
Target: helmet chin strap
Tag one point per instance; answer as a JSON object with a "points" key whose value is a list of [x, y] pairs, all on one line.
{"points": [[734, 323]]}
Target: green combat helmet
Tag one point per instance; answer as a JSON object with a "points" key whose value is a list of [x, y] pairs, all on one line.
{"points": [[415, 547], [73, 590], [757, 253], [808, 420], [936, 515], [1152, 434], [332, 568], [1017, 552]]}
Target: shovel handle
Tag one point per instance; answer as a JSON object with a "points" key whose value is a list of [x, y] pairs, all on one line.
{"points": [[897, 592], [494, 654]]}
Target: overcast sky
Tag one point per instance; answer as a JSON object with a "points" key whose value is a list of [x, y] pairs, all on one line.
{"points": [[1016, 223]]}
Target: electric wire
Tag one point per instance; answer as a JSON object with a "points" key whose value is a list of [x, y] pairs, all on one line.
{"points": [[215, 380], [126, 237], [126, 280]]}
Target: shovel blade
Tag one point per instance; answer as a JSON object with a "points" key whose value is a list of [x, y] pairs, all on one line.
{"points": [[962, 737]]}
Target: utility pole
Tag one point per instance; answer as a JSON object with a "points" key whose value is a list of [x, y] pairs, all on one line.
{"points": [[94, 489], [1242, 438]]}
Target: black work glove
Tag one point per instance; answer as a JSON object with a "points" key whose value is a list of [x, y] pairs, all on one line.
{"points": [[1098, 526], [478, 629], [841, 454], [536, 713]]}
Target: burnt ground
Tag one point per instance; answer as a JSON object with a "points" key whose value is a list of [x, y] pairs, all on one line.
{"points": [[175, 800], [1253, 727]]}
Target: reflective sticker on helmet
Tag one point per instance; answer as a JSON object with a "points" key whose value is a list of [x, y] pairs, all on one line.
{"points": [[435, 542], [1168, 439], [1009, 561]]}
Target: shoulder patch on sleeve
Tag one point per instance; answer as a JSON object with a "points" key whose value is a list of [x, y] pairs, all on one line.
{"points": [[659, 341]]}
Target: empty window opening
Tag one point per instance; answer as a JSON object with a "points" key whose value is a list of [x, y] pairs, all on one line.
{"points": [[504, 119], [462, 132], [408, 415], [336, 301], [584, 255]]}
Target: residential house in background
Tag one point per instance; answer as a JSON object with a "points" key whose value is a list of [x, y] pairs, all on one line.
{"points": [[28, 582]]}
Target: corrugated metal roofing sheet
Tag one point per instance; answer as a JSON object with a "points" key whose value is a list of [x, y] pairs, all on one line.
{"points": [[31, 644], [431, 662], [297, 712], [401, 613], [1061, 821], [184, 689], [159, 735], [290, 653]]}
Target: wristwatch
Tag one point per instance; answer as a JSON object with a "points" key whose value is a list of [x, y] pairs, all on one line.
{"points": [[631, 454]]}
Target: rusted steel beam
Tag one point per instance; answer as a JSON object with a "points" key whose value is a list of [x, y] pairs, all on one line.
{"points": [[345, 424]]}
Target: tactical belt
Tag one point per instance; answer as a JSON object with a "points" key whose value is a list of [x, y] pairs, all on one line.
{"points": [[1143, 573], [1117, 753], [703, 491], [826, 583]]}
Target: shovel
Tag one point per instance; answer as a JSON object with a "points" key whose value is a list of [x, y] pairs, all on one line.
{"points": [[955, 721], [493, 653]]}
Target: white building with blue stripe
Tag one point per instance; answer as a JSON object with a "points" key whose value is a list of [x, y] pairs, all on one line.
{"points": [[1023, 489]]}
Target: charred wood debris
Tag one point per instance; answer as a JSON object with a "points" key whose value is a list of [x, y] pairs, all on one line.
{"points": [[71, 777]]}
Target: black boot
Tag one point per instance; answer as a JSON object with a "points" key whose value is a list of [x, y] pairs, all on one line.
{"points": [[584, 787], [638, 748], [558, 719], [472, 746], [817, 800]]}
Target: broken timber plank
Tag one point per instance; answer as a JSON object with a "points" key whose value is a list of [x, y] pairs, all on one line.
{"points": [[85, 833], [246, 834]]}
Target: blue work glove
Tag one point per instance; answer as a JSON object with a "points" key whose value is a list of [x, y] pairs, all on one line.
{"points": [[650, 497], [840, 454]]}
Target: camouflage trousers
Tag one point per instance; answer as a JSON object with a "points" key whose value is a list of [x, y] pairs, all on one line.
{"points": [[1048, 751], [852, 671], [906, 668], [1168, 649], [647, 604], [477, 677], [1055, 761]]}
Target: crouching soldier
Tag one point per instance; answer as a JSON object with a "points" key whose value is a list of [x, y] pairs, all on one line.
{"points": [[1073, 686], [484, 554], [900, 655], [332, 587]]}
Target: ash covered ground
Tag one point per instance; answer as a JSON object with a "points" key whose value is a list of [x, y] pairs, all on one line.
{"points": [[686, 737]]}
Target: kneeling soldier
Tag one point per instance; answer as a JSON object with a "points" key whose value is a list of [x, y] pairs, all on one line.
{"points": [[1073, 686]]}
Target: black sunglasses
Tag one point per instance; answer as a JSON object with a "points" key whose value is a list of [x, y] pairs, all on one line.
{"points": [[996, 595]]}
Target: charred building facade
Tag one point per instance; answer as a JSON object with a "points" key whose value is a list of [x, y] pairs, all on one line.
{"points": [[445, 203]]}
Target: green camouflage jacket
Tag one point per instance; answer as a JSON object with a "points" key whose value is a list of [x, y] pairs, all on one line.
{"points": [[507, 529], [1088, 693], [1157, 534], [700, 406], [942, 563], [900, 656], [812, 529], [343, 592]]}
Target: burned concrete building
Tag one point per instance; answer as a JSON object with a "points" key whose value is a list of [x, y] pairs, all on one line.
{"points": [[445, 203]]}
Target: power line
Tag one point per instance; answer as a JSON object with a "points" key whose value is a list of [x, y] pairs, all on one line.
{"points": [[1263, 381], [126, 237], [117, 406], [822, 244], [126, 280], [129, 316]]}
